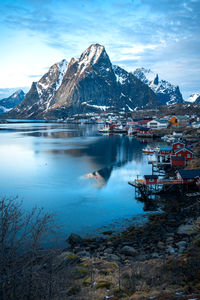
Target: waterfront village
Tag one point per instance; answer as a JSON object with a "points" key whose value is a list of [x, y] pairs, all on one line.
{"points": [[178, 159], [159, 259]]}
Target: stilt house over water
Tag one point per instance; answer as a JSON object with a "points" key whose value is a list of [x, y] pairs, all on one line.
{"points": [[188, 176]]}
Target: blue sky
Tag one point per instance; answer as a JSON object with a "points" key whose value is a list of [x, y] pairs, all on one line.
{"points": [[161, 35]]}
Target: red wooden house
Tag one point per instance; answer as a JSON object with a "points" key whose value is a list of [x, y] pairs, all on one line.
{"points": [[177, 146], [186, 152], [177, 161], [150, 179], [144, 130], [188, 176], [165, 150], [142, 122]]}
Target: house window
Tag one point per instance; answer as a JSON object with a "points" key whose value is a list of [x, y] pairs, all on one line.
{"points": [[179, 154], [188, 155], [151, 180], [178, 146]]}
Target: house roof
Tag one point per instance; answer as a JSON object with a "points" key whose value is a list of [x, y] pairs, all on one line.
{"points": [[179, 117], [144, 129], [143, 122], [170, 117], [182, 117], [151, 176], [163, 121], [159, 121], [165, 148], [178, 142], [174, 157], [189, 174], [186, 148]]}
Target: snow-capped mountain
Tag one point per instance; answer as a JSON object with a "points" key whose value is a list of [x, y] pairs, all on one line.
{"points": [[194, 98], [6, 92], [9, 103], [37, 100], [166, 92], [87, 83]]}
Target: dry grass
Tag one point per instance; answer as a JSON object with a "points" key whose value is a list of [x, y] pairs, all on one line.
{"points": [[139, 280]]}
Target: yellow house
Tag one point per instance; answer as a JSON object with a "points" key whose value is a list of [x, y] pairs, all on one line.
{"points": [[179, 121]]}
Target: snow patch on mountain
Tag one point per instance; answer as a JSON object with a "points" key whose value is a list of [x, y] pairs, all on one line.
{"points": [[58, 70], [16, 94], [193, 98], [129, 107], [62, 70], [120, 79], [101, 107], [4, 110], [120, 74]]}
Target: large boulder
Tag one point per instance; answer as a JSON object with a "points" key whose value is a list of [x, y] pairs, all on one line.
{"points": [[74, 239], [128, 250]]}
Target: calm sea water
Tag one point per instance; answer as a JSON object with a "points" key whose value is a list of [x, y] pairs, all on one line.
{"points": [[72, 171]]}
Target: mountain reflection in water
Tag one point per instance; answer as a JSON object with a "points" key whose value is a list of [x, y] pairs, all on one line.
{"points": [[101, 177], [104, 150], [72, 171]]}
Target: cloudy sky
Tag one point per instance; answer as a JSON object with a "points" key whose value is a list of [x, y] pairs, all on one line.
{"points": [[163, 35]]}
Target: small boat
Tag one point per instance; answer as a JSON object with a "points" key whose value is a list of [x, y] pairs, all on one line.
{"points": [[130, 131], [119, 129], [157, 149], [148, 151], [105, 129]]}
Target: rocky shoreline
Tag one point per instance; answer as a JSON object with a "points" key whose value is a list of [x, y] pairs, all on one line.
{"points": [[164, 234]]}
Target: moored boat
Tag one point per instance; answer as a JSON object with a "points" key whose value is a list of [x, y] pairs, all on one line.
{"points": [[105, 129], [119, 129], [148, 151]]}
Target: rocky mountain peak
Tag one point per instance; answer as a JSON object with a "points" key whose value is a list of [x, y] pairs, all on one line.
{"points": [[145, 75], [156, 80], [18, 93], [166, 92], [194, 98], [91, 54], [53, 78], [88, 83], [9, 103]]}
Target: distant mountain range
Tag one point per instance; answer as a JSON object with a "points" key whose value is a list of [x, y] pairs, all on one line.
{"points": [[9, 103], [91, 83], [166, 92], [7, 92]]}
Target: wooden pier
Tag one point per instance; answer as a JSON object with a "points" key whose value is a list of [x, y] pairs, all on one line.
{"points": [[138, 182], [148, 191]]}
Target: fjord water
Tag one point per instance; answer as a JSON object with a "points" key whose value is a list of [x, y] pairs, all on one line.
{"points": [[72, 171]]}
